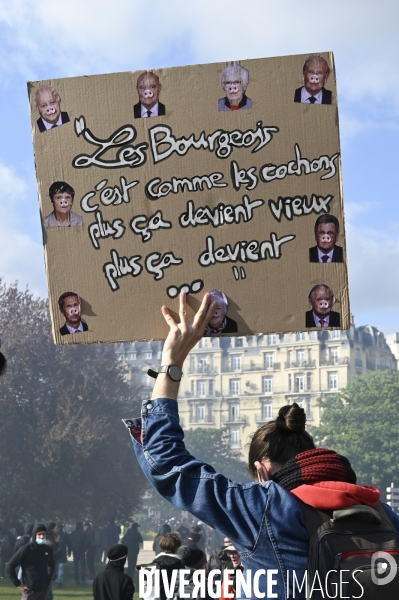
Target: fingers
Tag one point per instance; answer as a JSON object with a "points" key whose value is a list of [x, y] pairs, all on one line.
{"points": [[204, 312], [168, 318]]}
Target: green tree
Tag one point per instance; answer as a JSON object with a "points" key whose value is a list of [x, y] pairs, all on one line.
{"points": [[64, 450], [362, 423]]}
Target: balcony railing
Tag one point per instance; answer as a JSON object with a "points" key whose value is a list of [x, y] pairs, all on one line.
{"points": [[333, 362], [250, 368], [202, 370], [201, 421], [235, 420], [300, 364]]}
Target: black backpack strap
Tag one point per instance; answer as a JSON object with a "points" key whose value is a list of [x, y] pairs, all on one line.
{"points": [[313, 518], [385, 518]]}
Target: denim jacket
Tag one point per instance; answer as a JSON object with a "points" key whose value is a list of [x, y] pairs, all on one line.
{"points": [[263, 521]]}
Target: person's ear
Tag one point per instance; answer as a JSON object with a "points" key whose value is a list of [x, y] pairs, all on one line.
{"points": [[310, 301]]}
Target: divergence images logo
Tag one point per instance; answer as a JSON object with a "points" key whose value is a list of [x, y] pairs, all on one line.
{"points": [[383, 568]]}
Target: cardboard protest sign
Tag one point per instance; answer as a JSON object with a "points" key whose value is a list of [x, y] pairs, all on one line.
{"points": [[222, 177]]}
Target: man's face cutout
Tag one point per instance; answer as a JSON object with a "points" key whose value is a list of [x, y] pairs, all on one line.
{"points": [[62, 202], [234, 88], [71, 310], [326, 236], [315, 76], [148, 90], [48, 105], [322, 302]]}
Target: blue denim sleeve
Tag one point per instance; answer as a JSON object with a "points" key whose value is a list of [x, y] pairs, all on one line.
{"points": [[190, 484]]}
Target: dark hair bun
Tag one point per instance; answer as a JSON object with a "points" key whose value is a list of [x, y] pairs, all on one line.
{"points": [[291, 419]]}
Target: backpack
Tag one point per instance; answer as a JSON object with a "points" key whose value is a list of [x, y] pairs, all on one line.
{"points": [[353, 553]]}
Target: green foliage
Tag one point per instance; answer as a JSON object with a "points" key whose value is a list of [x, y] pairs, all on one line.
{"points": [[212, 447], [64, 452], [362, 423]]}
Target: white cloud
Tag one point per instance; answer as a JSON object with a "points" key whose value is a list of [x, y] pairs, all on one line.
{"points": [[373, 259], [21, 256]]}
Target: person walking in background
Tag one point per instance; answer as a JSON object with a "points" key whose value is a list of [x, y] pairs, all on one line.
{"points": [[133, 540], [113, 583], [78, 542], [66, 550], [37, 562], [90, 537]]}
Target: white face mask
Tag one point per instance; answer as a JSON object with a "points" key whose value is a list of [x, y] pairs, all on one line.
{"points": [[40, 540]]}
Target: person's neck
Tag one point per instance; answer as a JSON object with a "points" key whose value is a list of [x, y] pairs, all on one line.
{"points": [[73, 326], [147, 107], [62, 218], [236, 102]]}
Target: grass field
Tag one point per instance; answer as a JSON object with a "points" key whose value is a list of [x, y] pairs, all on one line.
{"points": [[69, 590]]}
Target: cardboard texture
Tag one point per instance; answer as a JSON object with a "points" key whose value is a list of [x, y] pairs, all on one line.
{"points": [[201, 195]]}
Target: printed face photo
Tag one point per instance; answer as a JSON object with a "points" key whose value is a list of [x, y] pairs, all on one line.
{"points": [[71, 310], [220, 322], [48, 105], [62, 202], [218, 316], [148, 90], [326, 236], [322, 301], [234, 88], [315, 76], [234, 81]]}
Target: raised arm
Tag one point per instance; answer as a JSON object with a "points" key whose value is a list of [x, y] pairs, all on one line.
{"points": [[182, 338]]}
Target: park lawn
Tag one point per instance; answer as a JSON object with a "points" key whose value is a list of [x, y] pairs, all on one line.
{"points": [[69, 591]]}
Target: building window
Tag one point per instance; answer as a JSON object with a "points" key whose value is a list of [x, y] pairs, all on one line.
{"points": [[147, 355], [211, 387], [268, 360], [239, 342], [300, 402], [300, 336], [131, 355], [334, 355], [287, 337], [235, 387], [201, 388], [202, 363], [266, 410], [333, 380], [300, 357], [289, 382], [298, 383], [335, 334], [271, 340], [192, 385], [201, 343], [267, 385], [358, 354], [310, 356], [234, 411], [308, 381], [234, 437], [236, 362], [200, 413]]}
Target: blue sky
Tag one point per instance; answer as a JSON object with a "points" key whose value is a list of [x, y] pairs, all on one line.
{"points": [[54, 39]]}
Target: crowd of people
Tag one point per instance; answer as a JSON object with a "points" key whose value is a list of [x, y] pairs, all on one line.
{"points": [[85, 544]]}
